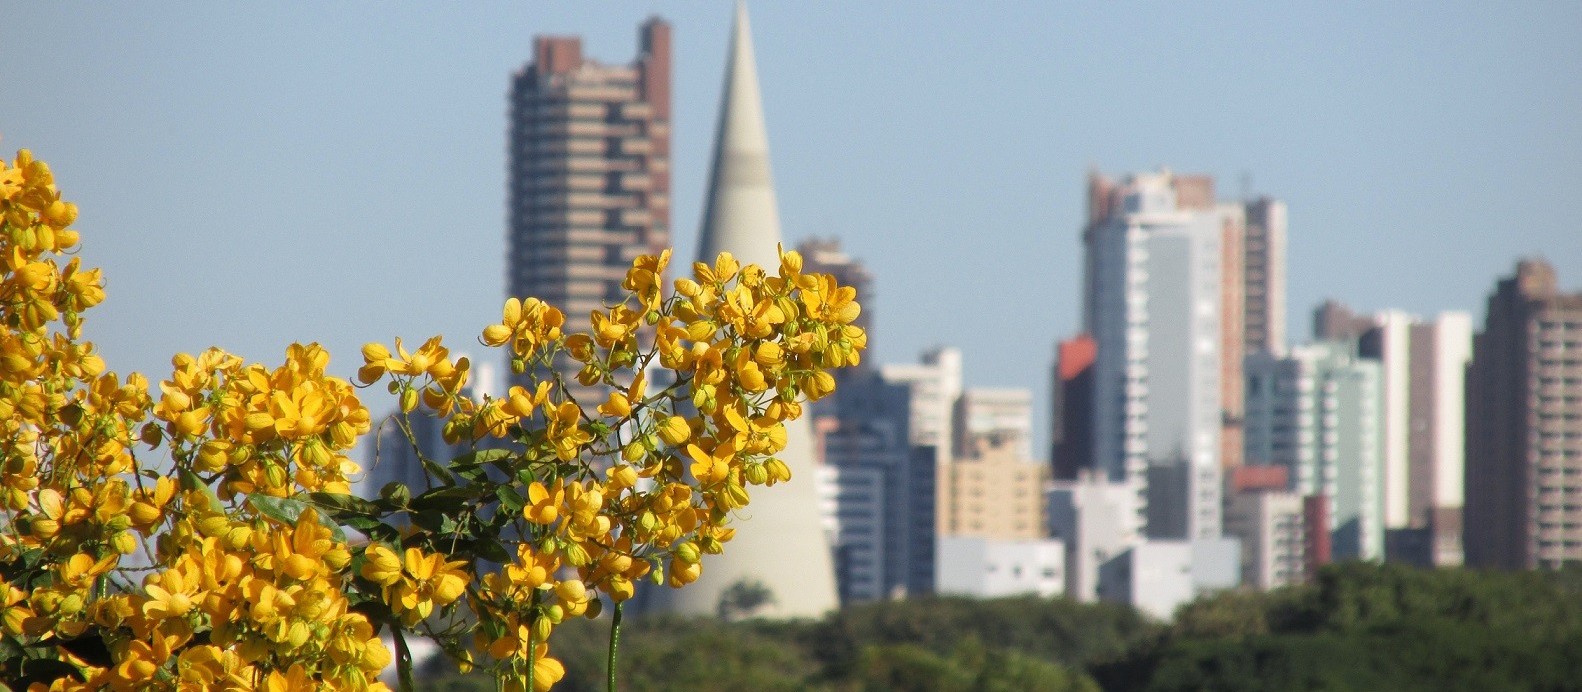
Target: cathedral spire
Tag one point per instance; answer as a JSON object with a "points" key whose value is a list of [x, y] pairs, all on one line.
{"points": [[740, 214], [780, 543]]}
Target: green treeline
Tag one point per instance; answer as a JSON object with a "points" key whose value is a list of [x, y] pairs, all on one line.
{"points": [[1359, 627]]}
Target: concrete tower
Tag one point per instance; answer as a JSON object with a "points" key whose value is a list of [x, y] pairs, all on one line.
{"points": [[589, 177], [779, 541]]}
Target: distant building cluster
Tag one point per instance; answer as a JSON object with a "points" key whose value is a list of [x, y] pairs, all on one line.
{"points": [[1194, 448]]}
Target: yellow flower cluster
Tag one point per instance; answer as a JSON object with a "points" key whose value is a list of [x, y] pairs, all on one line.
{"points": [[230, 598], [231, 485], [642, 483]]}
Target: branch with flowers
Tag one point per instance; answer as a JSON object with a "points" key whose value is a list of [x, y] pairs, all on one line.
{"points": [[207, 537]]}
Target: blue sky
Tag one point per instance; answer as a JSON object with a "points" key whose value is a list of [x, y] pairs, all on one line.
{"points": [[252, 176]]}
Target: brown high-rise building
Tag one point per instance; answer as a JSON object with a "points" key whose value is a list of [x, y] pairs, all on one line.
{"points": [[1333, 321], [1233, 331], [1524, 426], [589, 170], [1263, 275]]}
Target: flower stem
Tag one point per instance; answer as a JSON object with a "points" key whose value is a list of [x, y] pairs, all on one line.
{"points": [[615, 637]]}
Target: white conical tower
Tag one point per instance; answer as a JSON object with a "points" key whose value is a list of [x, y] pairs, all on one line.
{"points": [[780, 540]]}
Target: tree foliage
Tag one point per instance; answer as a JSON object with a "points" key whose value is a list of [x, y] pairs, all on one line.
{"points": [[1368, 627]]}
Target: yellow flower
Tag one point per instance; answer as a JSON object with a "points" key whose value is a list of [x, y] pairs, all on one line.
{"points": [[170, 595], [711, 467], [616, 406], [543, 504]]}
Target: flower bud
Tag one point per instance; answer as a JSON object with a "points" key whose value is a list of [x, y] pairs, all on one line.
{"points": [[632, 451], [675, 430], [688, 552], [143, 514], [275, 475], [373, 352], [571, 591], [212, 456], [124, 543], [620, 589], [496, 334], [151, 434], [214, 525]]}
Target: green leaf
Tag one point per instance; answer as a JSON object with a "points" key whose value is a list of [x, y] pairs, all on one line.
{"points": [[492, 550], [480, 457], [45, 671], [190, 481], [91, 649], [345, 503], [450, 499], [403, 662], [525, 475], [510, 499], [472, 465], [440, 472], [471, 474], [374, 529], [288, 510], [435, 521]]}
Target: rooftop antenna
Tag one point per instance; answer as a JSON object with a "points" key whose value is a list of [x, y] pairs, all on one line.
{"points": [[1246, 185]]}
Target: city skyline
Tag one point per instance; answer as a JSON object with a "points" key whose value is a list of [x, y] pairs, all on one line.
{"points": [[330, 149]]}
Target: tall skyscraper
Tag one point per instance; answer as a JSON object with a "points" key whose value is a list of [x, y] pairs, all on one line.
{"points": [[1233, 330], [589, 170], [1524, 426], [1263, 272], [1422, 363], [1436, 449], [780, 541], [1153, 302], [1317, 413]]}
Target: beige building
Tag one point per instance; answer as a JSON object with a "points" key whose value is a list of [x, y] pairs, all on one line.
{"points": [[996, 494], [992, 417]]}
